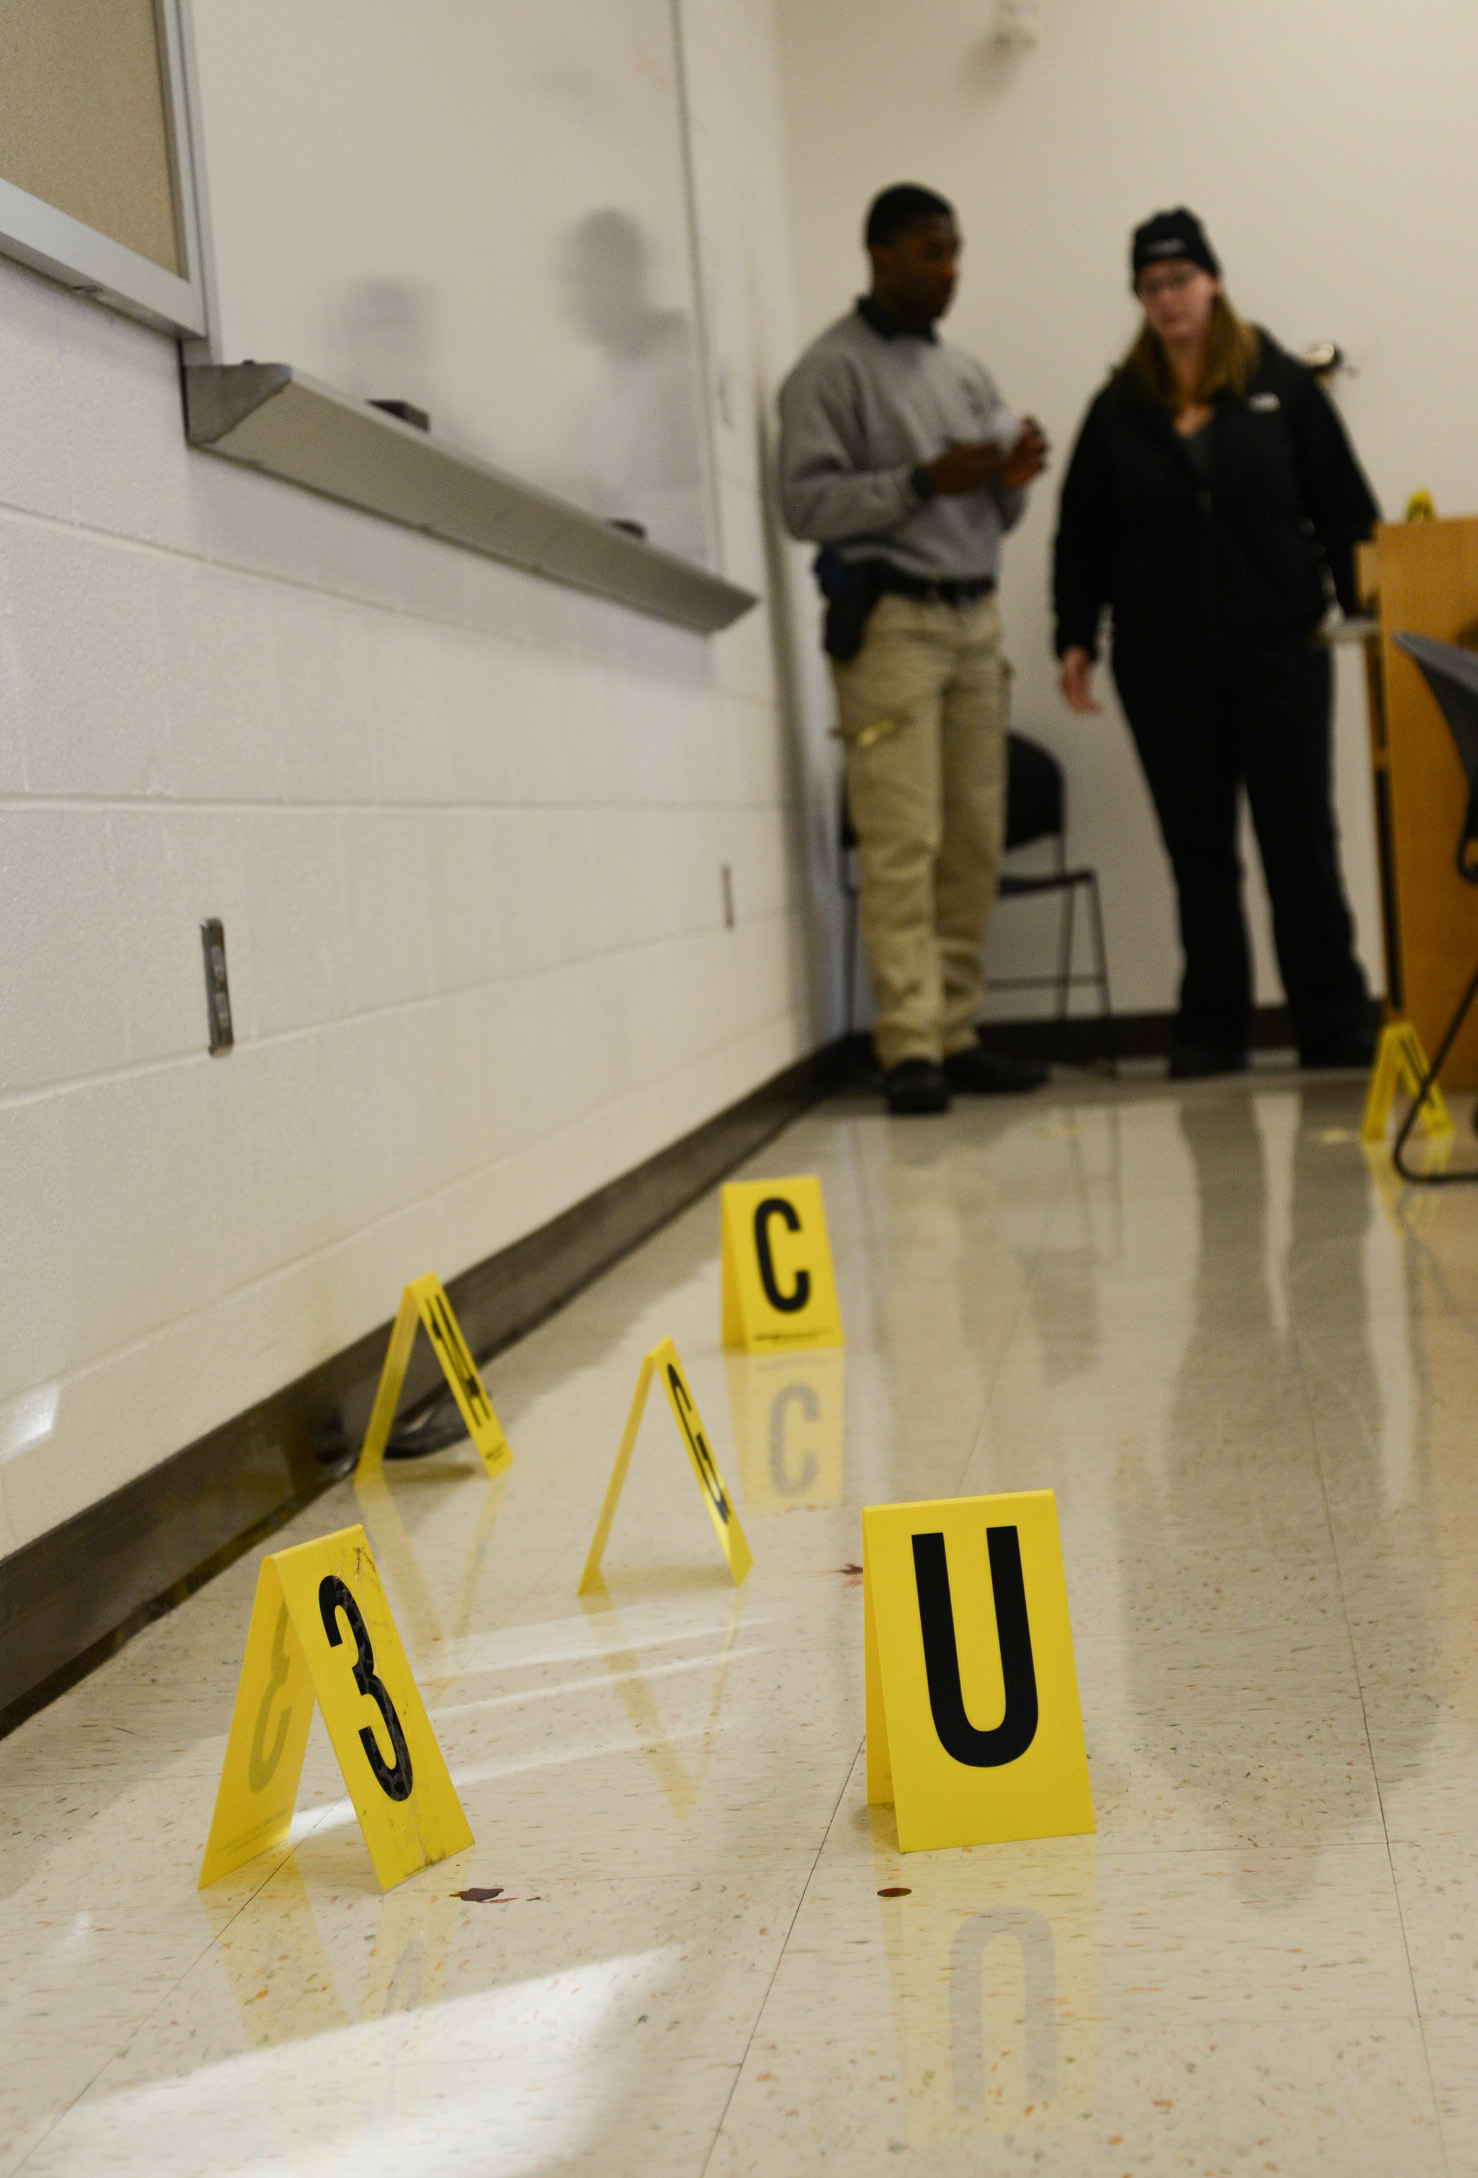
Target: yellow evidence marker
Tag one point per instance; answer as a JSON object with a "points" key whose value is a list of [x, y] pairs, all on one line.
{"points": [[965, 1611], [321, 1629], [1401, 1064], [778, 1286], [425, 1301], [663, 1361]]}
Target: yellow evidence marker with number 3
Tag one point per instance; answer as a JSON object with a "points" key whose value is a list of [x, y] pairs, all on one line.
{"points": [[778, 1287], [321, 1629]]}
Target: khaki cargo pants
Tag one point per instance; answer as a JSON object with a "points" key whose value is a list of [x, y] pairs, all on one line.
{"points": [[923, 720]]}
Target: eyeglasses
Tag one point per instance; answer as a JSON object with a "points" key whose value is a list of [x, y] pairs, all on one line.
{"points": [[1154, 285]]}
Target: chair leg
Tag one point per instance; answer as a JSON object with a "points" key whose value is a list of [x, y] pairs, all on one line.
{"points": [[1066, 932], [849, 952], [1403, 1135], [1095, 922]]}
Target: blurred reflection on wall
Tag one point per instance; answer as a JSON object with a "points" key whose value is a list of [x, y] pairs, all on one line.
{"points": [[500, 228], [634, 449], [385, 333]]}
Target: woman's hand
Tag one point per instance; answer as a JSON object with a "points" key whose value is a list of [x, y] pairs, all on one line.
{"points": [[1076, 680]]}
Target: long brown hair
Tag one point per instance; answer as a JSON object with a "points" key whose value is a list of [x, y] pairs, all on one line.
{"points": [[1228, 360]]}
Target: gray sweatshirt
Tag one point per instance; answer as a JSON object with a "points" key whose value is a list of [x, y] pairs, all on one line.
{"points": [[861, 410]]}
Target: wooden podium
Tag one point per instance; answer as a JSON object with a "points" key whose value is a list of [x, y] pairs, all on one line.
{"points": [[1421, 578]]}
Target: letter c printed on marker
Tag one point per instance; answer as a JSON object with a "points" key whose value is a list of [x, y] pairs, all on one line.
{"points": [[788, 1304]]}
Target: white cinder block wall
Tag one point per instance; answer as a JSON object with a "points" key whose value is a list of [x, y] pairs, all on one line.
{"points": [[1329, 146], [465, 831]]}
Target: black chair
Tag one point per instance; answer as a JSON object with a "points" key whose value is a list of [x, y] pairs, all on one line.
{"points": [[1036, 810], [1452, 675]]}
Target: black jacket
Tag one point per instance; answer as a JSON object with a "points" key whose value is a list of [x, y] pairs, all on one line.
{"points": [[1246, 553]]}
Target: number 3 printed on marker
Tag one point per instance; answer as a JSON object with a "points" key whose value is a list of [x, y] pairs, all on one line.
{"points": [[333, 1597]]}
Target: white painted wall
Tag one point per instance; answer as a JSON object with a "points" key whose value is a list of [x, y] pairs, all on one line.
{"points": [[1330, 147], [465, 832]]}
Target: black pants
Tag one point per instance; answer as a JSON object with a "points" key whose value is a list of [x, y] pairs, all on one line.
{"points": [[1207, 722]]}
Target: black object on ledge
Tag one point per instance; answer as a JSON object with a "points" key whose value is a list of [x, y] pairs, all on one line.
{"points": [[271, 417], [407, 411]]}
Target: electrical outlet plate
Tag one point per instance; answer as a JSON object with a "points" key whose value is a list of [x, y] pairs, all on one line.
{"points": [[217, 991]]}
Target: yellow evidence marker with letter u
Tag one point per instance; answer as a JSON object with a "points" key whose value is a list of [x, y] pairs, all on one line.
{"points": [[966, 1619], [321, 1630], [778, 1287]]}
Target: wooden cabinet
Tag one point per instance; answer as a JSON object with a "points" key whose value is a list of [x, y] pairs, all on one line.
{"points": [[1421, 578]]}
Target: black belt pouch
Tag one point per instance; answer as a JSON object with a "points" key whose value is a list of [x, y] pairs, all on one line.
{"points": [[851, 588]]}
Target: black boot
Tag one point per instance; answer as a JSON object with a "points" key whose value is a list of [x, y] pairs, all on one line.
{"points": [[914, 1087]]}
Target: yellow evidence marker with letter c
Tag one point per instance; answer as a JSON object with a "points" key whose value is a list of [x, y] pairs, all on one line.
{"points": [[779, 1290], [321, 1630]]}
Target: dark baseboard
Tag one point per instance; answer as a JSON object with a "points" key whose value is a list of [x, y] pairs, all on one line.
{"points": [[1085, 1039], [72, 1597]]}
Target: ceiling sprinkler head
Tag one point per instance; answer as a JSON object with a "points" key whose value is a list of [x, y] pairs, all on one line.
{"points": [[1017, 22]]}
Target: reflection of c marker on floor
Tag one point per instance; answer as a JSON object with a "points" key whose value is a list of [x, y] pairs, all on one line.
{"points": [[782, 1480], [787, 1412], [967, 2021]]}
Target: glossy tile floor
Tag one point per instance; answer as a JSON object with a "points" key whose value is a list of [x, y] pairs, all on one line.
{"points": [[1247, 1368]]}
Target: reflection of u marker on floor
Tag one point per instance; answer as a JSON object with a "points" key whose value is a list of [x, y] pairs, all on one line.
{"points": [[621, 1660], [787, 1411], [992, 1967], [1032, 1936]]}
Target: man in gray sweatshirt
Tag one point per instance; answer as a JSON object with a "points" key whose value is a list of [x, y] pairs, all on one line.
{"points": [[900, 459]]}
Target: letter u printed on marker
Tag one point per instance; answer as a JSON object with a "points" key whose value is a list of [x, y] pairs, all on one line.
{"points": [[960, 1739]]}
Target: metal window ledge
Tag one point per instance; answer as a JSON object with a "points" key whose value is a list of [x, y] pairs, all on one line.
{"points": [[273, 418]]}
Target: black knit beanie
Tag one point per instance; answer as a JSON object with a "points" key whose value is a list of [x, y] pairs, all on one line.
{"points": [[1177, 234]]}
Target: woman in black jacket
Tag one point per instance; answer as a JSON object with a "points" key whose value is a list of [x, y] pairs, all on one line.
{"points": [[1213, 503]]}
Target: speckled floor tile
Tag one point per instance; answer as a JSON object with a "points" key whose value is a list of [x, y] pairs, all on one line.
{"points": [[1116, 2100], [1198, 1317]]}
